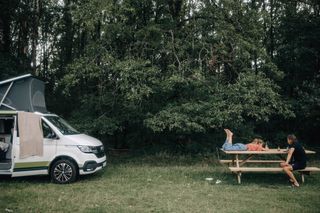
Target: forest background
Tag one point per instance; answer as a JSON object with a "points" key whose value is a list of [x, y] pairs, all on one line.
{"points": [[169, 75]]}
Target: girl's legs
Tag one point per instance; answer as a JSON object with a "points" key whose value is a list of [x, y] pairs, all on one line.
{"points": [[228, 146], [229, 135]]}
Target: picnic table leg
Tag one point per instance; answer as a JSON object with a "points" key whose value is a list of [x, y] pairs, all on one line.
{"points": [[302, 177], [238, 165], [239, 177], [245, 160], [237, 160]]}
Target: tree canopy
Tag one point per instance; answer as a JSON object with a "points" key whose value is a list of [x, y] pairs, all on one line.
{"points": [[150, 72]]}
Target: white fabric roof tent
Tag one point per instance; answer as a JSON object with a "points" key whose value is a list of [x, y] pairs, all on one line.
{"points": [[23, 93]]}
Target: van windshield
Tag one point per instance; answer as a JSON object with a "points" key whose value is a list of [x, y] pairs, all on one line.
{"points": [[62, 125]]}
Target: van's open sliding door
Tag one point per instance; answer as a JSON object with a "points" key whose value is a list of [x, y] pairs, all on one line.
{"points": [[6, 137], [33, 153]]}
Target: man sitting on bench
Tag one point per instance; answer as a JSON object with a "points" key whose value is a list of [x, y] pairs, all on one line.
{"points": [[296, 159]]}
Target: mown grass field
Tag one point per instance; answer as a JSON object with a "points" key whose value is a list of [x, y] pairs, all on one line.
{"points": [[161, 183]]}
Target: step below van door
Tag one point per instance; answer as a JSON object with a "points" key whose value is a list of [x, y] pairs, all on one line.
{"points": [[36, 165]]}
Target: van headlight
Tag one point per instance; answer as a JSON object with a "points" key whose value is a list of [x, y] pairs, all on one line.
{"points": [[88, 149]]}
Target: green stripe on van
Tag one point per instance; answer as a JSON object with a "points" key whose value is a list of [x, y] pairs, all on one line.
{"points": [[31, 164], [30, 169], [8, 112]]}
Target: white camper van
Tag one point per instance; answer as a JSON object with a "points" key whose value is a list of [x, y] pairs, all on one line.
{"points": [[36, 142]]}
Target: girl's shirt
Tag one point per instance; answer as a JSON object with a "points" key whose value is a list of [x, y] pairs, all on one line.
{"points": [[254, 147]]}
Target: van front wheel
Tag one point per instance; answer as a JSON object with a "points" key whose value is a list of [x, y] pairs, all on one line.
{"points": [[63, 171]]}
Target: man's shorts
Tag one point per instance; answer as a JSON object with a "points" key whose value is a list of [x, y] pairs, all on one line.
{"points": [[298, 165]]}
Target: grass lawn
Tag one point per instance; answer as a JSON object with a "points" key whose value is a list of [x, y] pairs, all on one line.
{"points": [[161, 184]]}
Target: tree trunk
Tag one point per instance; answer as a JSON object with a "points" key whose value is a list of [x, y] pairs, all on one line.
{"points": [[2, 42], [68, 40], [271, 47], [23, 38], [35, 35], [5, 20]]}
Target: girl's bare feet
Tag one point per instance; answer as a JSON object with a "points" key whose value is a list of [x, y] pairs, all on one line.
{"points": [[229, 135], [228, 131]]}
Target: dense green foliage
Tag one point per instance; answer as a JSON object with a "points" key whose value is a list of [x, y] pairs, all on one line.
{"points": [[140, 73]]}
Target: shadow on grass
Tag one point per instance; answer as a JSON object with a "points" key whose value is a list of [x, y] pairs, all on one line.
{"points": [[164, 160], [266, 180], [30, 179], [221, 175], [93, 177], [45, 179]]}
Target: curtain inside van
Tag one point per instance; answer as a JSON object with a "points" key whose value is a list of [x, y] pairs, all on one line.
{"points": [[30, 134]]}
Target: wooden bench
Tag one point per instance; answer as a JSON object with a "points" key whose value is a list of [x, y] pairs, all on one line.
{"points": [[251, 161], [239, 170]]}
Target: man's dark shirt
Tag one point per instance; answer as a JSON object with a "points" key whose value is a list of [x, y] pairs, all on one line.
{"points": [[299, 155]]}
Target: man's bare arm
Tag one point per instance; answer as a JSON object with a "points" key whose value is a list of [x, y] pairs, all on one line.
{"points": [[291, 150]]}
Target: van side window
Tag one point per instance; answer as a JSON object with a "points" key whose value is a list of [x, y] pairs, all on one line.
{"points": [[6, 125], [47, 131]]}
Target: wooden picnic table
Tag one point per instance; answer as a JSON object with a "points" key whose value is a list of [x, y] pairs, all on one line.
{"points": [[269, 152], [238, 163]]}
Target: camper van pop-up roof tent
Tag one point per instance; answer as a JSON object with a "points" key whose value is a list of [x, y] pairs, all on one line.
{"points": [[23, 93]]}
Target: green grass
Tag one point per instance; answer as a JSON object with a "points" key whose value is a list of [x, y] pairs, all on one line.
{"points": [[161, 184]]}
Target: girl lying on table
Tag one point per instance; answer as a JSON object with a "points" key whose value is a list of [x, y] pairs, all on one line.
{"points": [[255, 145]]}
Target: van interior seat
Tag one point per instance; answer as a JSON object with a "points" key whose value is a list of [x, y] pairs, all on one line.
{"points": [[7, 139]]}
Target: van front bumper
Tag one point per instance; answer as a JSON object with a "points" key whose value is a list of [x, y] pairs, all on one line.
{"points": [[92, 166]]}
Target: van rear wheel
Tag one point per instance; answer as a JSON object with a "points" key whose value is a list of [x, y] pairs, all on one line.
{"points": [[63, 171]]}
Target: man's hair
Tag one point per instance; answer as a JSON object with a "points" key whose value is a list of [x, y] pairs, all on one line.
{"points": [[292, 138]]}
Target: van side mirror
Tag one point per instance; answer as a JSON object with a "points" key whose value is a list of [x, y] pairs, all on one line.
{"points": [[52, 135]]}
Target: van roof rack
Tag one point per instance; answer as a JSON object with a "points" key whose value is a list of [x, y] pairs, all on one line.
{"points": [[15, 79], [23, 93]]}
